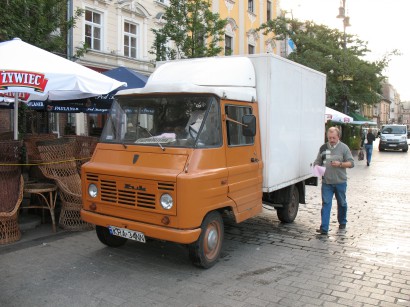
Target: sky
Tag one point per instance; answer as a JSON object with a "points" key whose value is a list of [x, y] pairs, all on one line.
{"points": [[382, 24]]}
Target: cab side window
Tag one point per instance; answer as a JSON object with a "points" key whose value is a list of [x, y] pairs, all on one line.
{"points": [[234, 130]]}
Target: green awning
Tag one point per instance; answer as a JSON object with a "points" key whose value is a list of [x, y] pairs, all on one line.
{"points": [[358, 117]]}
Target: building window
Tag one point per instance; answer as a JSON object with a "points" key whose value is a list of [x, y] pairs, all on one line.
{"points": [[250, 6], [53, 122], [268, 11], [130, 39], [228, 45], [93, 30], [251, 49]]}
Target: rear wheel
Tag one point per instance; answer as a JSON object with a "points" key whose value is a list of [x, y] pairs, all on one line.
{"points": [[206, 250], [288, 212], [108, 239]]}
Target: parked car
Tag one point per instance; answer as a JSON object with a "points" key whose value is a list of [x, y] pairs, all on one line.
{"points": [[394, 137]]}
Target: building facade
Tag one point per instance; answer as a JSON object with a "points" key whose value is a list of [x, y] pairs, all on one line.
{"points": [[119, 32], [406, 113], [243, 17]]}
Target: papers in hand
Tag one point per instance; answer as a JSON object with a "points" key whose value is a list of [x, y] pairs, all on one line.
{"points": [[318, 171]]}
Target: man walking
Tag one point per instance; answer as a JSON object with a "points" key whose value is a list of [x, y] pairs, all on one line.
{"points": [[336, 157], [367, 141]]}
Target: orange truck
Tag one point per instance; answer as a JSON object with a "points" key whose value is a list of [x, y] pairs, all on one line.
{"points": [[203, 137]]}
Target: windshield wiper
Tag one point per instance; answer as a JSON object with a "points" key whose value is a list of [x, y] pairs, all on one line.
{"points": [[153, 137]]}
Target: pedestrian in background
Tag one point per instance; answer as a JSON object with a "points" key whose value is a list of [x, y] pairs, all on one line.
{"points": [[368, 145], [336, 157]]}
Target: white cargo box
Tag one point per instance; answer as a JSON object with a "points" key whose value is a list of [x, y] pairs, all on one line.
{"points": [[291, 100]]}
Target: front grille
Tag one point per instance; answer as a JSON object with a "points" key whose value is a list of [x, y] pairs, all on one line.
{"points": [[165, 186], [92, 177], [140, 194], [146, 200], [108, 191]]}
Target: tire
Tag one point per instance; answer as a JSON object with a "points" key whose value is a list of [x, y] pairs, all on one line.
{"points": [[381, 149], [108, 239], [406, 149], [288, 212], [206, 250]]}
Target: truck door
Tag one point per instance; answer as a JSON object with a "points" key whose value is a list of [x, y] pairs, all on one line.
{"points": [[243, 159]]}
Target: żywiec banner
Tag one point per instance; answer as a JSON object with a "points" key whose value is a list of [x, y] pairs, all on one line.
{"points": [[15, 78]]}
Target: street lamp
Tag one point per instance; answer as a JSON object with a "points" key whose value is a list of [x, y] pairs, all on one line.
{"points": [[346, 23]]}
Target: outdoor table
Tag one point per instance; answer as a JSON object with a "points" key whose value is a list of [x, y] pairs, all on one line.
{"points": [[48, 192]]}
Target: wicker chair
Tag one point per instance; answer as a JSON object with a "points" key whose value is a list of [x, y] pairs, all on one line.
{"points": [[32, 154], [11, 191], [84, 147], [59, 164]]}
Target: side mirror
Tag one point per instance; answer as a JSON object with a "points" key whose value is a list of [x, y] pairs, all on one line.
{"points": [[249, 125]]}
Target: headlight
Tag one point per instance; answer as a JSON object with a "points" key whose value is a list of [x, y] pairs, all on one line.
{"points": [[403, 138], [166, 201], [383, 138], [92, 190]]}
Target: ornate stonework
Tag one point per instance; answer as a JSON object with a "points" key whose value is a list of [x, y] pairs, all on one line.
{"points": [[253, 36], [229, 4]]}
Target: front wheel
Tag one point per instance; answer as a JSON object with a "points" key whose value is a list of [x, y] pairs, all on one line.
{"points": [[288, 212], [108, 239], [206, 250]]}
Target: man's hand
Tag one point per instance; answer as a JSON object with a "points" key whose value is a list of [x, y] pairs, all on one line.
{"points": [[336, 164]]}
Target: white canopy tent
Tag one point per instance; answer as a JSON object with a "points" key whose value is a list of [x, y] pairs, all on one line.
{"points": [[25, 68]]}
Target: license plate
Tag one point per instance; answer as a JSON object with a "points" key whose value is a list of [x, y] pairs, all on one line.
{"points": [[392, 145], [126, 233]]}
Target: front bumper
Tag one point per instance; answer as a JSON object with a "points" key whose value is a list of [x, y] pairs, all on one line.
{"points": [[183, 236], [394, 146]]}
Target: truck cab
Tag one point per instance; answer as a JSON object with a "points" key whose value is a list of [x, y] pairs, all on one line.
{"points": [[170, 162]]}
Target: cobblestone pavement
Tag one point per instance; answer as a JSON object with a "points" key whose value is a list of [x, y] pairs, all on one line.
{"points": [[263, 263]]}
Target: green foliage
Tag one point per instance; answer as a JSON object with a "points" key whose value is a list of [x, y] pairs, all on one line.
{"points": [[340, 56], [42, 23], [351, 136], [192, 28]]}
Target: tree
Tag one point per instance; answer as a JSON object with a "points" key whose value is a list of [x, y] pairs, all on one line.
{"points": [[192, 27], [42, 23], [340, 56]]}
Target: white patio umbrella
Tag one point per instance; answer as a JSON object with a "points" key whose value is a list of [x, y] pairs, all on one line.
{"points": [[337, 116], [25, 68]]}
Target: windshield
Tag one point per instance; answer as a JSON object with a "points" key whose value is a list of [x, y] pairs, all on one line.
{"points": [[164, 121], [394, 130]]}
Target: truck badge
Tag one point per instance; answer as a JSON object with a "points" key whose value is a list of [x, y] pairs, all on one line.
{"points": [[130, 186]]}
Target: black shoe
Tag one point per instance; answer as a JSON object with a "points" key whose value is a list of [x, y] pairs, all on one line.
{"points": [[342, 226], [322, 232], [368, 163]]}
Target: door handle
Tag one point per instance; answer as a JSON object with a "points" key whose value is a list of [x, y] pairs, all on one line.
{"points": [[254, 160]]}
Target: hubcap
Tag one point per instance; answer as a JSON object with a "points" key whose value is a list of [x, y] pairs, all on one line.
{"points": [[212, 239]]}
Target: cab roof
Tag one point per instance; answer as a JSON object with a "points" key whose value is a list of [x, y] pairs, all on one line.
{"points": [[227, 77]]}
